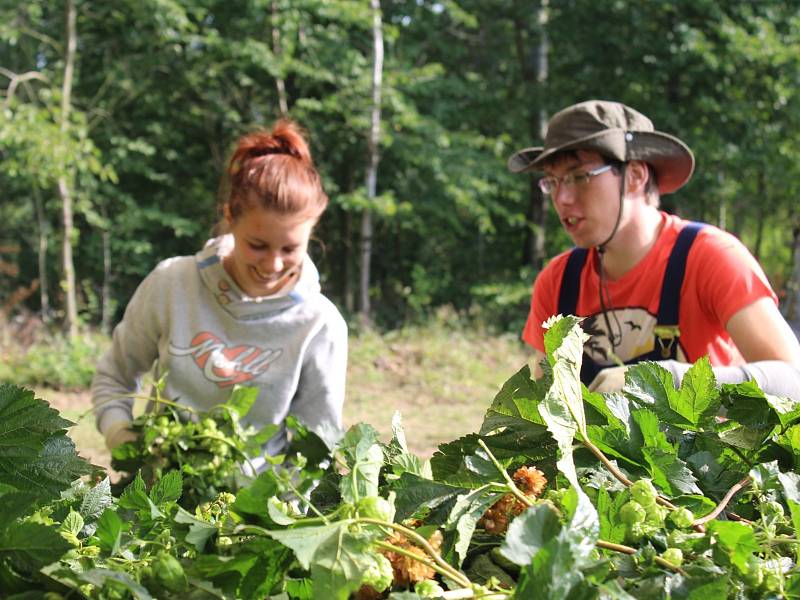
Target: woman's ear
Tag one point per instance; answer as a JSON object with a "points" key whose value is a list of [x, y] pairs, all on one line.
{"points": [[226, 214]]}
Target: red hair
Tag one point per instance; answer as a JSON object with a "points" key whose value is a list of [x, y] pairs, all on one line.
{"points": [[274, 170]]}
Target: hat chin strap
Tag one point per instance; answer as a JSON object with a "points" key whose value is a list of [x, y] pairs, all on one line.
{"points": [[601, 248], [615, 338]]}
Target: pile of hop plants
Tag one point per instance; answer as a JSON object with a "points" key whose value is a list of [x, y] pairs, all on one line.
{"points": [[650, 492]]}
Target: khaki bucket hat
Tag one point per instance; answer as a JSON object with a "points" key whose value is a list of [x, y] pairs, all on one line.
{"points": [[616, 131]]}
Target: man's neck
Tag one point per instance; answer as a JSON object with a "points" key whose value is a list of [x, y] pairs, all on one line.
{"points": [[633, 240]]}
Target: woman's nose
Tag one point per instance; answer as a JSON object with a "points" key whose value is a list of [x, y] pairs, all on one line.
{"points": [[272, 262]]}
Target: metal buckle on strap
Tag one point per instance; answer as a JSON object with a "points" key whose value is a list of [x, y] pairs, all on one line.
{"points": [[666, 336]]}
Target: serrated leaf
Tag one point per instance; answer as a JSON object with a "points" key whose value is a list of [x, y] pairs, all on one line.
{"points": [[29, 546], [109, 531], [72, 523], [167, 489], [649, 384], [415, 493], [698, 398], [15, 505], [737, 540], [518, 398], [612, 529], [52, 469], [669, 472], [96, 500]]}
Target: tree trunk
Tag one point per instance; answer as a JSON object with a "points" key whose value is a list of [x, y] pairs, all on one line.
{"points": [[44, 231], [372, 161], [105, 309], [280, 84], [535, 77], [64, 183]]}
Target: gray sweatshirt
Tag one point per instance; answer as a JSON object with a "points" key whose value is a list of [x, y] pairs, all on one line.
{"points": [[190, 319]]}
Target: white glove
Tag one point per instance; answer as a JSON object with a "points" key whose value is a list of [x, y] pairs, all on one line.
{"points": [[119, 433], [611, 379]]}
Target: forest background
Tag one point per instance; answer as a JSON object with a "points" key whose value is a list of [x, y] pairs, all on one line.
{"points": [[116, 119]]}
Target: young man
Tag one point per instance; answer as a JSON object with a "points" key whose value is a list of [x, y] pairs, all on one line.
{"points": [[651, 286]]}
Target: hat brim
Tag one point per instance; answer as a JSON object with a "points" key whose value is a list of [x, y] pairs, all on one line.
{"points": [[672, 160]]}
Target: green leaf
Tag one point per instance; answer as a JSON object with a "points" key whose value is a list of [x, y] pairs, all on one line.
{"points": [[364, 457], [304, 541], [200, 532], [72, 523], [415, 492], [529, 533], [790, 482], [339, 565], [109, 531], [254, 499], [46, 473], [29, 546], [736, 539], [167, 489], [651, 385], [464, 516], [96, 500], [612, 529], [15, 505], [698, 398], [101, 578], [517, 397], [242, 399]]}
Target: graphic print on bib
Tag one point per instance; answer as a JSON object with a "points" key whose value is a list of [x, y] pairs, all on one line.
{"points": [[226, 365], [637, 328]]}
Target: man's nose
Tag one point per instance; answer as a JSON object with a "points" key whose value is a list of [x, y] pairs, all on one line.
{"points": [[563, 194]]}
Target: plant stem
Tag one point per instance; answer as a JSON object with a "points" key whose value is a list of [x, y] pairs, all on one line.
{"points": [[509, 482], [451, 571], [721, 506]]}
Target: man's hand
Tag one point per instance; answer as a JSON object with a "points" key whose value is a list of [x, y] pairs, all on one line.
{"points": [[609, 380], [118, 434]]}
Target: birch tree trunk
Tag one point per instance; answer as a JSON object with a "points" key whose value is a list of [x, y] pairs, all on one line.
{"points": [[43, 233], [372, 161], [64, 183], [277, 50], [535, 75]]}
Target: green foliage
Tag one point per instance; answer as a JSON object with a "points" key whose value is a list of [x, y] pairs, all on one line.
{"points": [[690, 501], [56, 362]]}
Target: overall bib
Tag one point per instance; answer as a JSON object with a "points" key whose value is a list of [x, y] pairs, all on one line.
{"points": [[666, 332]]}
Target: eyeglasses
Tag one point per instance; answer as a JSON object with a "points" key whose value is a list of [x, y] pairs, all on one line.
{"points": [[550, 183]]}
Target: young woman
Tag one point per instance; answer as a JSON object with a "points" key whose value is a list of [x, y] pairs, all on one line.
{"points": [[246, 309]]}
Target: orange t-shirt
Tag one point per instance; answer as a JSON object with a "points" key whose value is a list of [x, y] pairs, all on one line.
{"points": [[721, 278]]}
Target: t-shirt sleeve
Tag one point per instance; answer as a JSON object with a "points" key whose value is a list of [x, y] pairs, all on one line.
{"points": [[729, 277], [544, 302]]}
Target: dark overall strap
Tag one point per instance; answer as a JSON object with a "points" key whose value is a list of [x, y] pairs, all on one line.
{"points": [[669, 305], [568, 302], [571, 281]]}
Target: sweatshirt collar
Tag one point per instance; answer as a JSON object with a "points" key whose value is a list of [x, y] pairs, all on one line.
{"points": [[231, 298]]}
